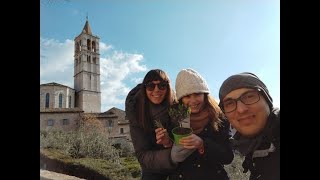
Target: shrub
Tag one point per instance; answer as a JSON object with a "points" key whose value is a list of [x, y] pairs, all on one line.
{"points": [[89, 140], [235, 170], [53, 138], [88, 168], [132, 164]]}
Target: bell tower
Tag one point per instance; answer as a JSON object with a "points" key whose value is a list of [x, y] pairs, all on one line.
{"points": [[87, 71]]}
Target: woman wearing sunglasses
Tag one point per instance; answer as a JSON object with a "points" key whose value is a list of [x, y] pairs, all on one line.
{"points": [[246, 102], [147, 103]]}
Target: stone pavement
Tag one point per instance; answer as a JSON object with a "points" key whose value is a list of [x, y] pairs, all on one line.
{"points": [[49, 175]]}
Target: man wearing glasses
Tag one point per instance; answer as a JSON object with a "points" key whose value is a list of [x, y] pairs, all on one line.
{"points": [[248, 106]]}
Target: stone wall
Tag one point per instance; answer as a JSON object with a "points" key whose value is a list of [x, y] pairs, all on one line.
{"points": [[47, 163], [58, 116], [54, 90]]}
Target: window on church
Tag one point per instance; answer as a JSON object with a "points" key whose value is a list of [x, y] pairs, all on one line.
{"points": [[65, 121], [121, 130], [50, 122], [60, 100], [47, 100], [89, 44], [88, 59], [93, 46], [110, 123], [69, 101]]}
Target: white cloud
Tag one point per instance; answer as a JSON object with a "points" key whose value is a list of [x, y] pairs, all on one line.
{"points": [[56, 65], [137, 80], [56, 61], [104, 47], [114, 70]]}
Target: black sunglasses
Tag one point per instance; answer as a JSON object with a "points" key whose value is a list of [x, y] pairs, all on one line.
{"points": [[162, 85]]}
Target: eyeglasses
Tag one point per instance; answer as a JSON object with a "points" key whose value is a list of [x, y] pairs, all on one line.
{"points": [[161, 86], [247, 98]]}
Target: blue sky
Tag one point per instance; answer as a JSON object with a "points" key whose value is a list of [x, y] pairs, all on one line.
{"points": [[217, 38]]}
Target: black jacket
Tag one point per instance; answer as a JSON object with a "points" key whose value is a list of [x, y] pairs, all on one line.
{"points": [[267, 167], [210, 165]]}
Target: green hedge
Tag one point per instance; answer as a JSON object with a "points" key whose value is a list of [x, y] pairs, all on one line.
{"points": [[88, 168]]}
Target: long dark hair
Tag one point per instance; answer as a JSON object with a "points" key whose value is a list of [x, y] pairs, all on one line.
{"points": [[143, 114], [215, 113]]}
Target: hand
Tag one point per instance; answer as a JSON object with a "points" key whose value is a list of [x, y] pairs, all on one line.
{"points": [[162, 137], [191, 142], [179, 153]]}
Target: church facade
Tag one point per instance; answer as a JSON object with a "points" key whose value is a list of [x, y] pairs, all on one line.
{"points": [[62, 106]]}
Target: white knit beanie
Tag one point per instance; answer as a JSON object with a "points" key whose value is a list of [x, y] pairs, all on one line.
{"points": [[188, 82]]}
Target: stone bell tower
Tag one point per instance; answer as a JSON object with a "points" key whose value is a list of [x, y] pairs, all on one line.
{"points": [[87, 71]]}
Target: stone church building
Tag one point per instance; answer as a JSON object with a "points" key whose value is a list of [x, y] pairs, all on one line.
{"points": [[61, 106]]}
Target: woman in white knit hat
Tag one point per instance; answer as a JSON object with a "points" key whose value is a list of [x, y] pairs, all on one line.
{"points": [[208, 149]]}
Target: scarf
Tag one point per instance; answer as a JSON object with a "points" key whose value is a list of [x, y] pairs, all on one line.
{"points": [[199, 120], [246, 146]]}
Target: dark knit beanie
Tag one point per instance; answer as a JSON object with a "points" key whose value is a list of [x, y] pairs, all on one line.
{"points": [[244, 80]]}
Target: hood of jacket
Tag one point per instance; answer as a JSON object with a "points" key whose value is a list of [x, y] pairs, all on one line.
{"points": [[132, 98]]}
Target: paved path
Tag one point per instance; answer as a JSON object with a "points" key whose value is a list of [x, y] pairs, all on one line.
{"points": [[49, 175]]}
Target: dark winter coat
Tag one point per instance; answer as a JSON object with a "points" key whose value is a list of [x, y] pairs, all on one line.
{"points": [[154, 158], [268, 166], [210, 165]]}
